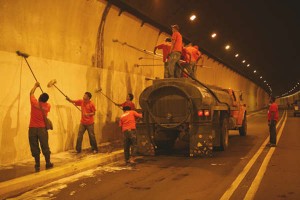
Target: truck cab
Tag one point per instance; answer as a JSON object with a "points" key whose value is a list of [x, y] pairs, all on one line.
{"points": [[238, 112]]}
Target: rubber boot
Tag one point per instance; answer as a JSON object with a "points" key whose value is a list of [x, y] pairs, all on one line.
{"points": [[49, 165], [37, 163]]}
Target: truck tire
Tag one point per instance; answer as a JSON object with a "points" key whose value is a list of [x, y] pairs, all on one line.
{"points": [[243, 128], [224, 134]]}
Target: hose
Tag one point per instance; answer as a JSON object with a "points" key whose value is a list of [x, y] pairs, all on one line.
{"points": [[210, 91]]}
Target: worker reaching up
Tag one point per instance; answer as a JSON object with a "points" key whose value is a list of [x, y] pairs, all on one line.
{"points": [[166, 46], [128, 102]]}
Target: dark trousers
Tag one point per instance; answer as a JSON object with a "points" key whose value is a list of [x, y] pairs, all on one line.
{"points": [[166, 71], [193, 68], [90, 130], [37, 137], [188, 68], [129, 141], [173, 70], [272, 129]]}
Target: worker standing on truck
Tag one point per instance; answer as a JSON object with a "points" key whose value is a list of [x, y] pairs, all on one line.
{"points": [[166, 46], [176, 49]]}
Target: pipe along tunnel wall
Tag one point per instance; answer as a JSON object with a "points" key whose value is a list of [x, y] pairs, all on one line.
{"points": [[72, 42]]}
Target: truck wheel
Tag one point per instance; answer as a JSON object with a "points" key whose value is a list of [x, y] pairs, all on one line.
{"points": [[243, 129], [224, 134]]}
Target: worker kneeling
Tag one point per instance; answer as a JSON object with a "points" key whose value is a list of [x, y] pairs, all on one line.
{"points": [[128, 124]]}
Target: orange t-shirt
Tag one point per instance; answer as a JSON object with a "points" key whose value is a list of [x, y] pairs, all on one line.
{"points": [[194, 52], [177, 41], [86, 107], [166, 47], [273, 108], [36, 115], [127, 120], [128, 103]]}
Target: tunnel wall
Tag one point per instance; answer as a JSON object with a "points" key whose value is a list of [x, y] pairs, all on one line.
{"points": [[284, 101], [72, 42]]}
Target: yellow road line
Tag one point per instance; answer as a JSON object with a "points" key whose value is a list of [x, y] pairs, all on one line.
{"points": [[246, 169], [260, 174]]}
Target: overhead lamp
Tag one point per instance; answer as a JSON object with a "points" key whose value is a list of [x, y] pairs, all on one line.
{"points": [[227, 47], [254, 71], [244, 61], [248, 65], [265, 81], [236, 55], [260, 77], [213, 35], [192, 17]]}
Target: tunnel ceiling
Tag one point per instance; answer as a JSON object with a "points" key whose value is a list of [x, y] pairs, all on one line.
{"points": [[264, 33]]}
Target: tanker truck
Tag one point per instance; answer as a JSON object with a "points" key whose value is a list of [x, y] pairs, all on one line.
{"points": [[187, 110]]}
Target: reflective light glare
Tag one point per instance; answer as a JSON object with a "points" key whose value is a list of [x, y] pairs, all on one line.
{"points": [[260, 77], [192, 17], [265, 81], [213, 35], [227, 47], [236, 55], [248, 65], [244, 61], [254, 71]]}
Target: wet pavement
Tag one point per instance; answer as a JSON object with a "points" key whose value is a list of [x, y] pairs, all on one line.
{"points": [[19, 177]]}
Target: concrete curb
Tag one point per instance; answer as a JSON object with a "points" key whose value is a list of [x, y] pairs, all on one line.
{"points": [[22, 184]]}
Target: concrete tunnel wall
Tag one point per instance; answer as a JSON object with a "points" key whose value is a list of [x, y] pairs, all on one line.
{"points": [[71, 41]]}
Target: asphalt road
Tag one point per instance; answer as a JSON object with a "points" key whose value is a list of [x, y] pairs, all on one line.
{"points": [[247, 170]]}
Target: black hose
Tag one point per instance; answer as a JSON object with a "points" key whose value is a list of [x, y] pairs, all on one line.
{"points": [[149, 132], [210, 91]]}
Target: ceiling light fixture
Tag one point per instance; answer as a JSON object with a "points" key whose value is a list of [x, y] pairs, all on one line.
{"points": [[192, 17], [213, 35], [236, 55], [227, 47]]}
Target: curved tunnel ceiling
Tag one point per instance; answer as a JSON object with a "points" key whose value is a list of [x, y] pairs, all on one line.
{"points": [[264, 33]]}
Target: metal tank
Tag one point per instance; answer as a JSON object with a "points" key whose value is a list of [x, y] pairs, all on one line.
{"points": [[181, 109]]}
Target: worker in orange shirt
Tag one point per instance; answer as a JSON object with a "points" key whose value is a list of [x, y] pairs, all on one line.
{"points": [[166, 47], [37, 133], [176, 49], [128, 124], [87, 121], [128, 102], [197, 56], [273, 116], [194, 55], [185, 62]]}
